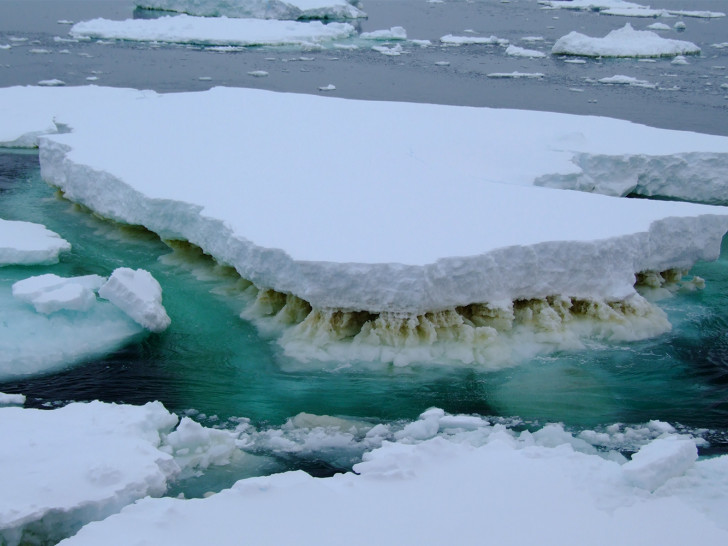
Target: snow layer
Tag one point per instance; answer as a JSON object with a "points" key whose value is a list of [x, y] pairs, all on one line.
{"points": [[516, 244], [213, 31], [623, 42], [139, 295], [26, 243], [63, 468], [548, 478], [50, 293], [260, 9]]}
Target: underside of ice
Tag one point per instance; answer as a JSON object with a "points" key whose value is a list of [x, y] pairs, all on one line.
{"points": [[260, 9], [25, 243], [623, 42], [355, 268]]}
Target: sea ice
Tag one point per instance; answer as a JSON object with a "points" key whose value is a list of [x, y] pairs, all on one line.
{"points": [[139, 295], [623, 42], [50, 293], [26, 243], [394, 33], [620, 79], [518, 260], [65, 467], [449, 39], [11, 399], [401, 486], [516, 51], [260, 9], [213, 31]]}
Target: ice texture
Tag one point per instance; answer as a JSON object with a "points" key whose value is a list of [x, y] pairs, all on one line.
{"points": [[260, 9], [500, 252], [623, 42], [480, 473], [11, 399], [65, 467], [661, 460], [139, 295], [213, 31], [26, 243]]}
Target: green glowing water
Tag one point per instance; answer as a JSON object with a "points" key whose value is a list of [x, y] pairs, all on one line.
{"points": [[212, 361]]}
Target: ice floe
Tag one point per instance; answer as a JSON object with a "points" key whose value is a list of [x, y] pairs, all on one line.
{"points": [[213, 31], [450, 39], [68, 466], [620, 79], [518, 260], [54, 322], [662, 495], [623, 42], [627, 9], [516, 51], [26, 243], [11, 399], [260, 9]]}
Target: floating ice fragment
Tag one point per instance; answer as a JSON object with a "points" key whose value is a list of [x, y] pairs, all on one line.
{"points": [[517, 75], [391, 51], [623, 42], [11, 399], [329, 87], [658, 26], [679, 26], [627, 80], [679, 60], [52, 83], [449, 39], [258, 73], [39, 51], [139, 295], [25, 243], [261, 9], [516, 51], [394, 33]]}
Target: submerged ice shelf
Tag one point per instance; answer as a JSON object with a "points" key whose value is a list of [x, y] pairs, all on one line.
{"points": [[379, 227]]}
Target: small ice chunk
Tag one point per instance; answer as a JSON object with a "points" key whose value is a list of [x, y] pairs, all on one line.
{"points": [[139, 295], [391, 51], [449, 39], [330, 87], [660, 460], [50, 293], [11, 399], [52, 83], [258, 73], [394, 33], [515, 51], [25, 243], [679, 26], [516, 75], [680, 60], [658, 26], [620, 79]]}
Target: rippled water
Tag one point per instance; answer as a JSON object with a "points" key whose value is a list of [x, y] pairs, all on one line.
{"points": [[213, 362]]}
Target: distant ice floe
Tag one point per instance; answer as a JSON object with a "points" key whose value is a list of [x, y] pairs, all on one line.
{"points": [[517, 75], [450, 39], [260, 9], [90, 460], [627, 9], [399, 483], [26, 243], [394, 33], [55, 321], [518, 269], [220, 31], [623, 42], [620, 79]]}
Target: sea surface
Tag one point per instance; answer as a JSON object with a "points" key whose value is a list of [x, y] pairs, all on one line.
{"points": [[215, 366]]}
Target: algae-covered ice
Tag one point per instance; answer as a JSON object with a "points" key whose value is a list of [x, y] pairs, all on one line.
{"points": [[431, 226]]}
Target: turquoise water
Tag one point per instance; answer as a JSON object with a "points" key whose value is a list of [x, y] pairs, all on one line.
{"points": [[215, 363]]}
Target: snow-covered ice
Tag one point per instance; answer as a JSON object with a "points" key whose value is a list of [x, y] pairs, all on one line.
{"points": [[50, 293], [450, 39], [623, 42], [620, 79], [11, 399], [139, 295], [25, 243], [65, 467], [517, 245], [260, 9], [628, 9], [516, 51], [213, 31], [490, 476], [394, 33]]}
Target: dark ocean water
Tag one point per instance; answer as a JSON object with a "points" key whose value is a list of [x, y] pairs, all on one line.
{"points": [[213, 362]]}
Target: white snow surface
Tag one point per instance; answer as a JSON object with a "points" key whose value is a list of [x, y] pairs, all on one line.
{"points": [[11, 399], [449, 479], [26, 243], [516, 51], [260, 9], [50, 293], [65, 467], [358, 240], [139, 295], [623, 42], [213, 31]]}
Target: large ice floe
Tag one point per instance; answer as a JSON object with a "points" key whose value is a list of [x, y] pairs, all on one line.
{"points": [[28, 243], [65, 467], [260, 9], [427, 240], [623, 42], [442, 479], [53, 322], [213, 31], [627, 9]]}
